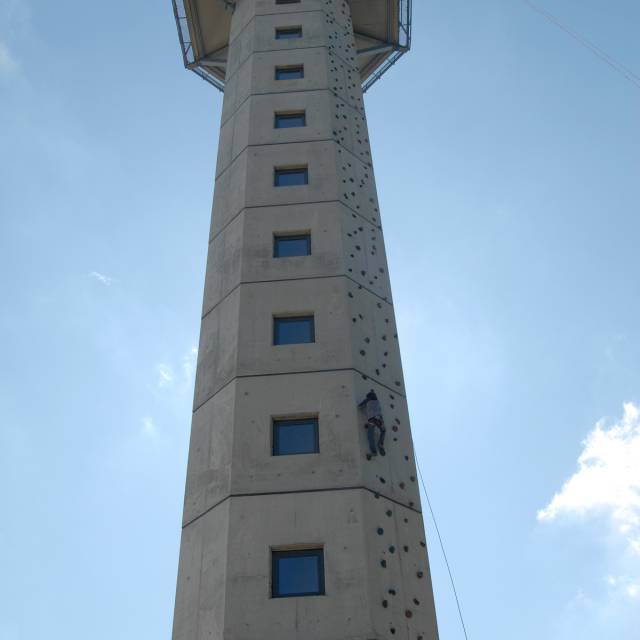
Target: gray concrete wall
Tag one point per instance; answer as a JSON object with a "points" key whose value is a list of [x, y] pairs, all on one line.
{"points": [[240, 500]]}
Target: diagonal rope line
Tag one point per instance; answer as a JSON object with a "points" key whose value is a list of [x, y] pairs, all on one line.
{"points": [[444, 553], [624, 71]]}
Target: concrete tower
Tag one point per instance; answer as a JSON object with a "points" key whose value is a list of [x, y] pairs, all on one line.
{"points": [[289, 531]]}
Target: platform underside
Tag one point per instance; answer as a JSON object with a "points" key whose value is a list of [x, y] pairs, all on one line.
{"points": [[382, 31]]}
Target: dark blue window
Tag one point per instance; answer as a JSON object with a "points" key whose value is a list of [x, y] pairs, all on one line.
{"points": [[296, 330], [295, 437], [290, 73], [291, 177], [290, 120], [291, 246], [288, 33], [297, 573]]}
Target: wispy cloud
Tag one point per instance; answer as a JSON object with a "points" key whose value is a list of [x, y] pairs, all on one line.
{"points": [[8, 64], [608, 479], [189, 363], [148, 426], [100, 277], [181, 376], [624, 586], [606, 610], [165, 374]]}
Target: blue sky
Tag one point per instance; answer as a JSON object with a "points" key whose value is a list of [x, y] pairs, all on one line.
{"points": [[512, 227]]}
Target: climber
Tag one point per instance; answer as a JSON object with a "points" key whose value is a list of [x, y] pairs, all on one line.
{"points": [[373, 410]]}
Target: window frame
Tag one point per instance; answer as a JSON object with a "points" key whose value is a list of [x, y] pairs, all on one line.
{"points": [[280, 116], [290, 68], [284, 33], [315, 551], [277, 319], [289, 422], [301, 235], [278, 172]]}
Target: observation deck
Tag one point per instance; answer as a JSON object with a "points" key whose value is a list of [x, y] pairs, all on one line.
{"points": [[382, 30]]}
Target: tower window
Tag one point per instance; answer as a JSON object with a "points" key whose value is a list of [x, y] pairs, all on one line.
{"points": [[297, 573], [290, 73], [294, 177], [288, 33], [293, 330], [290, 246], [295, 437], [291, 119]]}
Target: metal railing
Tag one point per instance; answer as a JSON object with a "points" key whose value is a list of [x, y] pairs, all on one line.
{"points": [[190, 62], [404, 13], [186, 45]]}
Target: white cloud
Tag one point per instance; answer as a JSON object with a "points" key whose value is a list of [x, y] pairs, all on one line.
{"points": [[165, 374], [189, 363], [148, 426], [8, 65], [610, 612], [607, 481], [623, 586], [100, 277]]}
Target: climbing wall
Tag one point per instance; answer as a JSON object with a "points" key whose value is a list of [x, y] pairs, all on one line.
{"points": [[241, 501]]}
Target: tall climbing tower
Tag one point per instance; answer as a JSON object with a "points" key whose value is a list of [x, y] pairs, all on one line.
{"points": [[289, 531]]}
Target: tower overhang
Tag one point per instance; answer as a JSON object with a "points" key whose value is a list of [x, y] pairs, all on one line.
{"points": [[382, 31]]}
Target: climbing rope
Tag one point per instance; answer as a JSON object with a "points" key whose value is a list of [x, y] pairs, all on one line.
{"points": [[444, 553]]}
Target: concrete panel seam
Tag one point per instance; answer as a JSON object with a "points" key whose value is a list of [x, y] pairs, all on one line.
{"points": [[356, 68], [339, 275], [269, 144], [275, 144], [378, 494], [266, 15], [295, 204], [275, 93], [317, 46], [358, 110], [299, 373]]}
